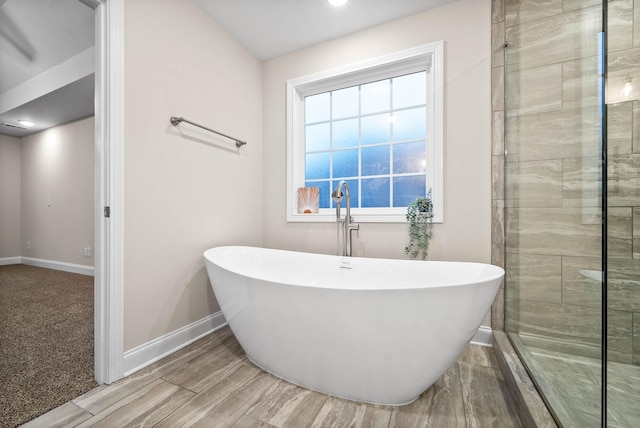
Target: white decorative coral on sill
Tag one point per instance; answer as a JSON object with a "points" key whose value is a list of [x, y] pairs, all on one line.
{"points": [[308, 200]]}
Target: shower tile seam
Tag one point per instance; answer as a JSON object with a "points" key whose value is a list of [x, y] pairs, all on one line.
{"points": [[546, 64], [464, 408], [538, 20]]}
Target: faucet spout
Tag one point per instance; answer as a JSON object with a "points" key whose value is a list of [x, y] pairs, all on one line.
{"points": [[346, 223]]}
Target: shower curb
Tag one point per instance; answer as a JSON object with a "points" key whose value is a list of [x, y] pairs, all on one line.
{"points": [[530, 408]]}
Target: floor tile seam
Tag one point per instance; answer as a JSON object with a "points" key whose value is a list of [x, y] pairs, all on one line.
{"points": [[462, 394], [179, 386], [473, 363], [326, 398], [188, 355], [173, 358], [83, 410], [257, 403], [503, 393], [197, 394], [212, 381], [279, 379], [116, 387], [176, 409], [258, 399], [179, 407], [495, 374], [512, 408], [268, 425], [209, 343], [390, 419], [115, 408], [492, 365], [374, 406]]}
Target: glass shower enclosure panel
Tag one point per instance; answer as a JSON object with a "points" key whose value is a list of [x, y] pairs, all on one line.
{"points": [[623, 207], [554, 200]]}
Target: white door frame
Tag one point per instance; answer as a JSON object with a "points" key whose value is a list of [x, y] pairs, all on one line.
{"points": [[109, 190]]}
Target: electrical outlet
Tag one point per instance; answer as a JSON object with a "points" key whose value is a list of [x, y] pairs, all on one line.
{"points": [[28, 245], [87, 252]]}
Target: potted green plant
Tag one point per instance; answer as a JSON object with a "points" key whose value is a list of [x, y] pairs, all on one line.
{"points": [[420, 218]]}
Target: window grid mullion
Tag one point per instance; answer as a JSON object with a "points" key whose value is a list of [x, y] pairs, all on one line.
{"points": [[391, 112], [330, 149], [359, 146], [391, 140], [359, 115]]}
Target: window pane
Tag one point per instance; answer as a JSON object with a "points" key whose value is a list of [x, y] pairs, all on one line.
{"points": [[376, 129], [316, 108], [409, 157], [410, 124], [354, 128], [410, 90], [375, 97], [345, 133], [344, 103], [345, 163], [405, 189], [325, 193], [375, 192], [353, 193], [375, 160], [317, 137], [317, 166]]}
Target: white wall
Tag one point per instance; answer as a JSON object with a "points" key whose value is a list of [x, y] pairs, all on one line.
{"points": [[186, 190], [465, 26], [9, 196], [57, 192]]}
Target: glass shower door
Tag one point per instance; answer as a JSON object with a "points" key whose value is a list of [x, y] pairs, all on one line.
{"points": [[553, 201], [623, 207]]}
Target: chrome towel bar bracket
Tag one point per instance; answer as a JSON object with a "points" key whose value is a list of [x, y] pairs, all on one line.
{"points": [[175, 121]]}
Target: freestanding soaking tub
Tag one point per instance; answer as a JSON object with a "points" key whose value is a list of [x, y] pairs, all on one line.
{"points": [[372, 330]]}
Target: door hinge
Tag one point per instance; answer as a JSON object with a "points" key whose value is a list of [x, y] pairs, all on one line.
{"points": [[107, 211]]}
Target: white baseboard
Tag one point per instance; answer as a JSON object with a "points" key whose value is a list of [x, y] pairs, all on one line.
{"points": [[49, 264], [150, 352], [483, 337], [63, 266], [9, 261]]}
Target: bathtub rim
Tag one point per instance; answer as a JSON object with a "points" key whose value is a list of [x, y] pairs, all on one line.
{"points": [[493, 272]]}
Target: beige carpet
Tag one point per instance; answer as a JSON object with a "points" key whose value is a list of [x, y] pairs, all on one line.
{"points": [[46, 340]]}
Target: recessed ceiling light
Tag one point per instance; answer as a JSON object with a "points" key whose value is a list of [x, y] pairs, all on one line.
{"points": [[337, 2], [12, 125], [26, 123]]}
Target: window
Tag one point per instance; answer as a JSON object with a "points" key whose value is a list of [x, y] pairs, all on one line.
{"points": [[378, 126]]}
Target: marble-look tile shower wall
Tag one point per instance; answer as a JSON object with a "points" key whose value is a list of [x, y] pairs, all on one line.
{"points": [[547, 203]]}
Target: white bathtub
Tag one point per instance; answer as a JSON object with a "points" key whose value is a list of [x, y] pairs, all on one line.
{"points": [[372, 330]]}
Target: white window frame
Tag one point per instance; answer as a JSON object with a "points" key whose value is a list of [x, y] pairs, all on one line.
{"points": [[429, 57]]}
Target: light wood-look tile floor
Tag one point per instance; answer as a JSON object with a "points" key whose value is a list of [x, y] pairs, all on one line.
{"points": [[211, 383]]}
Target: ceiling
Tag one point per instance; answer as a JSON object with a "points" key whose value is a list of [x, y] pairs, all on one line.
{"points": [[271, 28], [46, 61], [47, 56]]}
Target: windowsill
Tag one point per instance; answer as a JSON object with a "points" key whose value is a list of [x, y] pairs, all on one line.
{"points": [[329, 216]]}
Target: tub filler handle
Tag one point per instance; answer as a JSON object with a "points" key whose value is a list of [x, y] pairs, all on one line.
{"points": [[345, 224]]}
